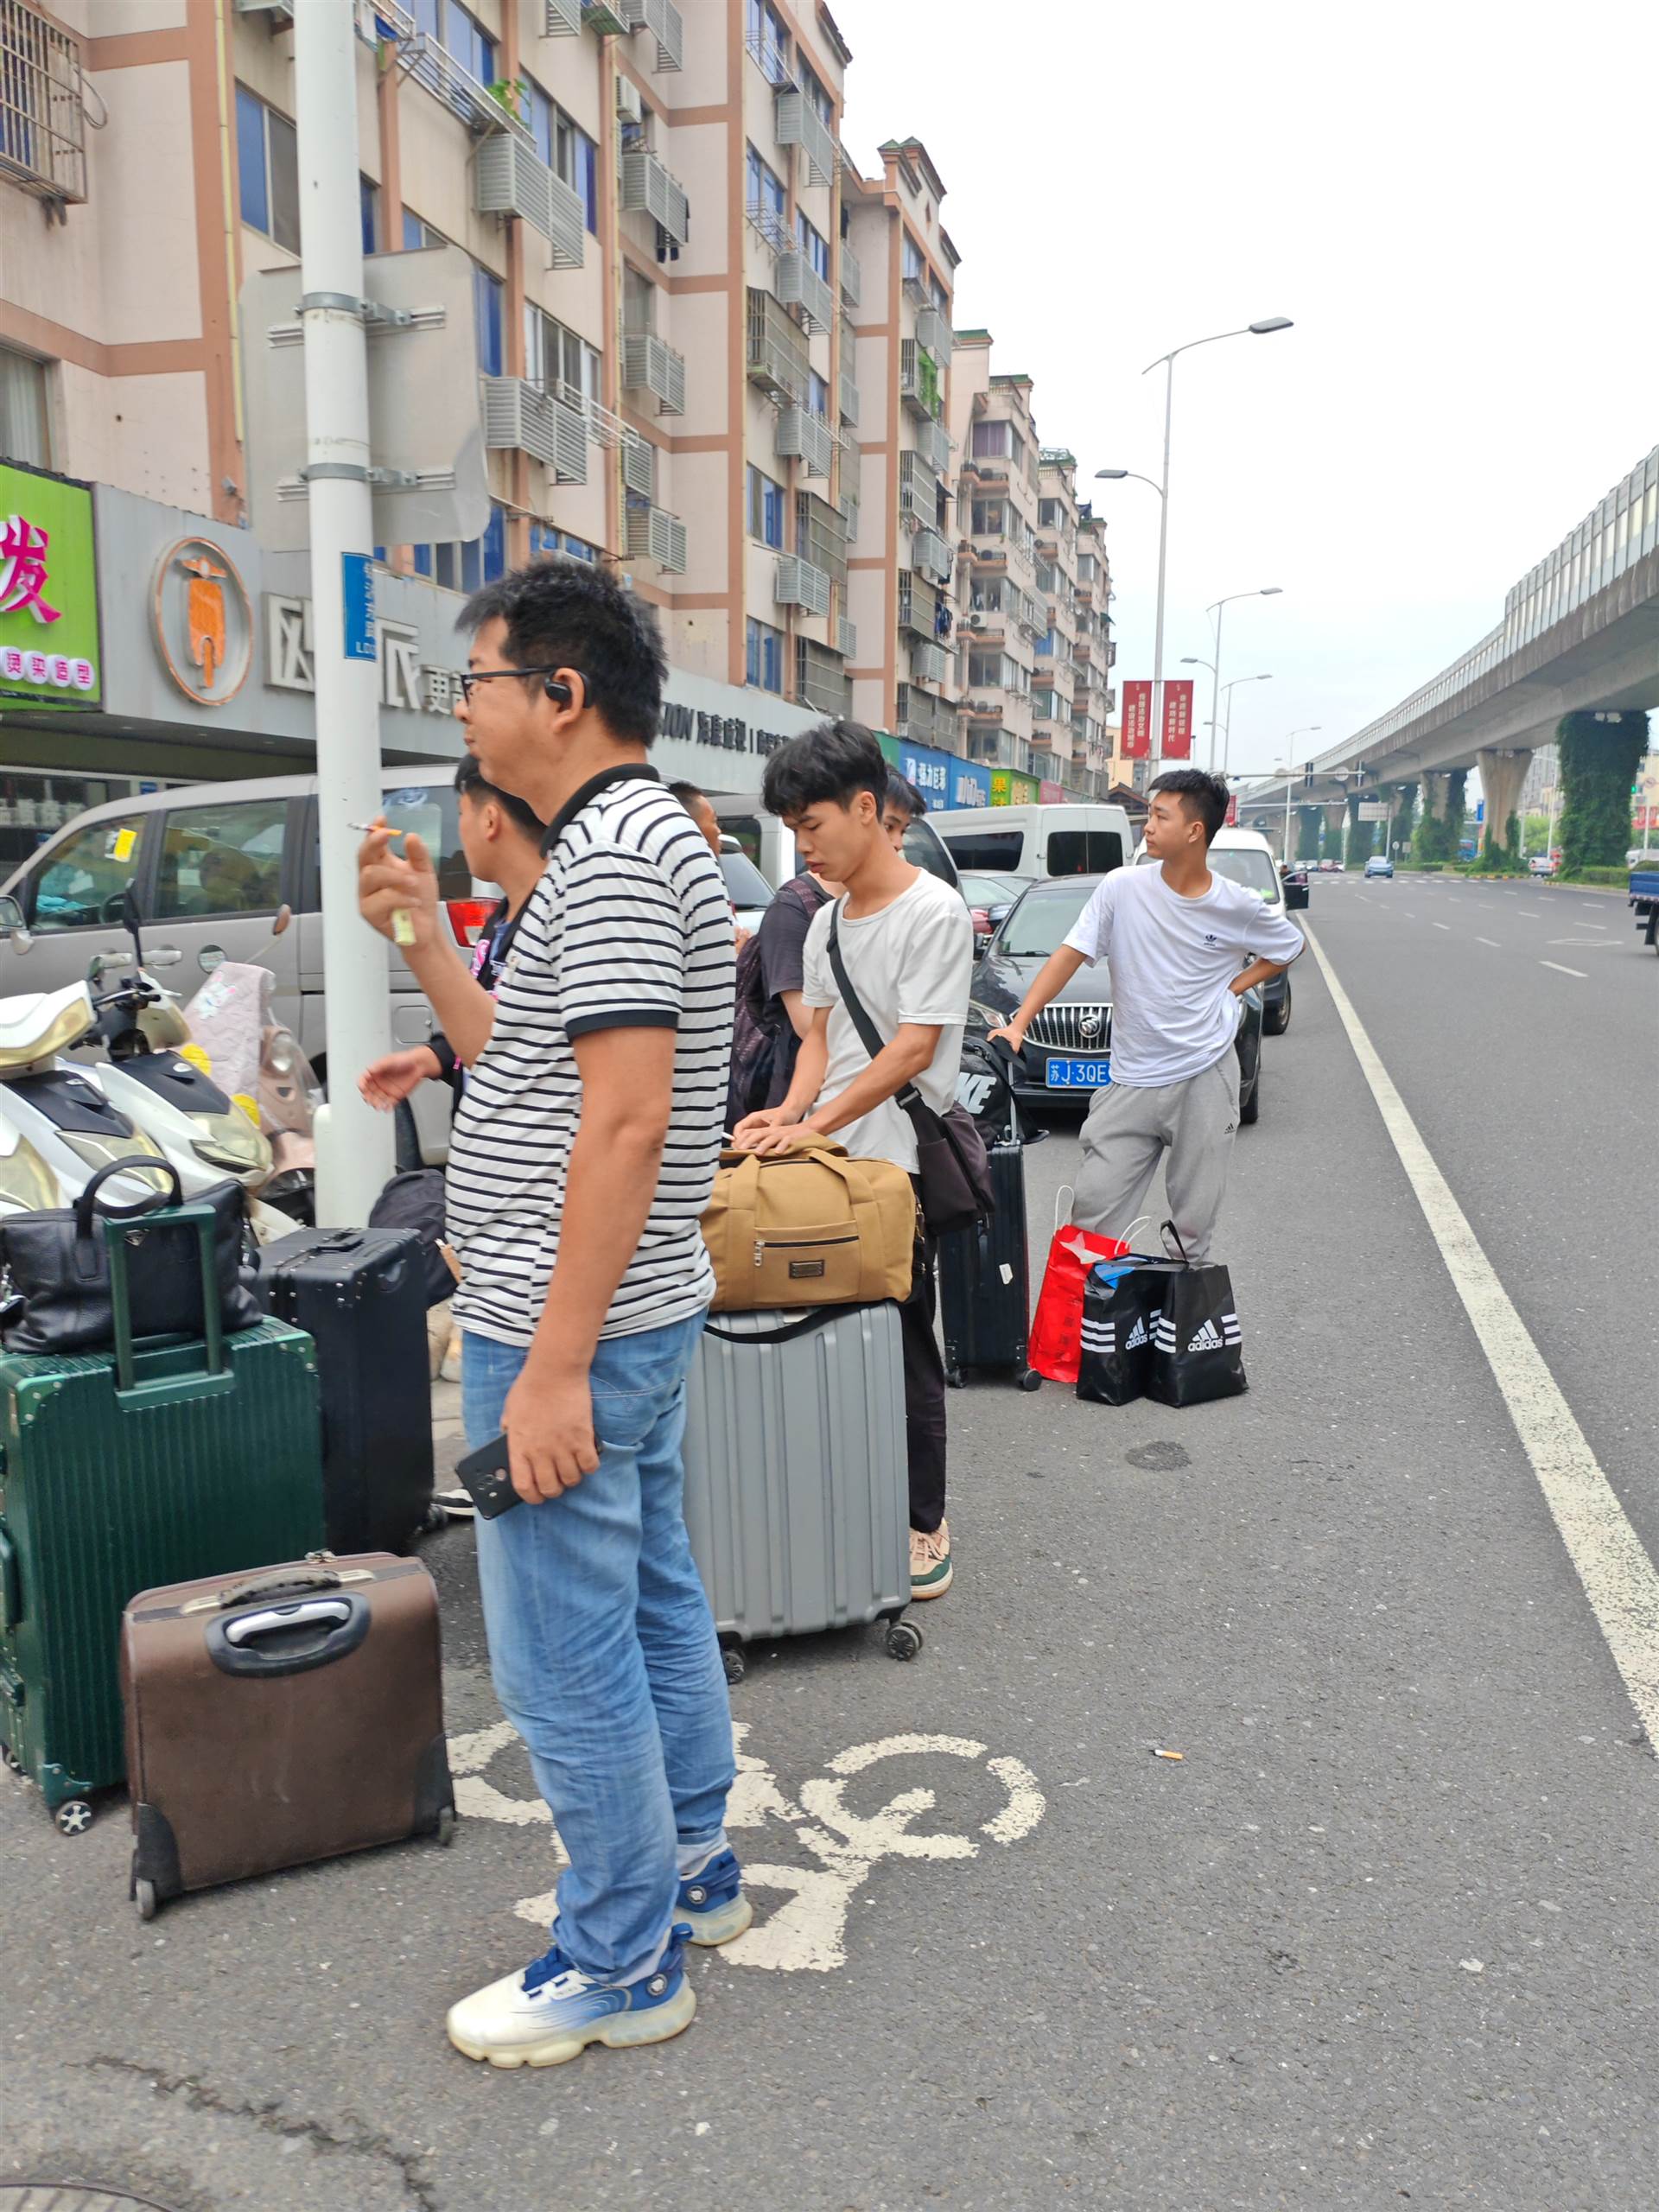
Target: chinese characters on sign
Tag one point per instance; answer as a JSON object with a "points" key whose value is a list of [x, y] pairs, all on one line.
{"points": [[1178, 720], [23, 568], [48, 590], [1137, 721]]}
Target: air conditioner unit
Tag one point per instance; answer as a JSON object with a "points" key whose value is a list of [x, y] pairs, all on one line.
{"points": [[629, 105]]}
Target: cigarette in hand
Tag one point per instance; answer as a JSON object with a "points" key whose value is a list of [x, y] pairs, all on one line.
{"points": [[403, 928]]}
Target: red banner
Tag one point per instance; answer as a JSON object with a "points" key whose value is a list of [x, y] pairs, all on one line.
{"points": [[1232, 811], [1137, 721], [1178, 719]]}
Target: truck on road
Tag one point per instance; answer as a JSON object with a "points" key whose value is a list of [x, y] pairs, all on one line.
{"points": [[1645, 897]]}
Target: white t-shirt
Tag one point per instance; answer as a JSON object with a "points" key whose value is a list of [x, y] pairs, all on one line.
{"points": [[1174, 961], [913, 962]]}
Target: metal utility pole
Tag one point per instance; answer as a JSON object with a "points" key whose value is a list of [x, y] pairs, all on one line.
{"points": [[354, 1144]]}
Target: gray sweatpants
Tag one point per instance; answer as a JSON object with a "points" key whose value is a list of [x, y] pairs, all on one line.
{"points": [[1127, 1133]]}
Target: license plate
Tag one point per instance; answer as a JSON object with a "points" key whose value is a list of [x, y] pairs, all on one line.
{"points": [[1077, 1075]]}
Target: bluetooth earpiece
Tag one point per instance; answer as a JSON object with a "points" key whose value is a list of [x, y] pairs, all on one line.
{"points": [[555, 689]]}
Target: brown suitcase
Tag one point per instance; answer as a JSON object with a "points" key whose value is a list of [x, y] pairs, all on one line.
{"points": [[287, 1715]]}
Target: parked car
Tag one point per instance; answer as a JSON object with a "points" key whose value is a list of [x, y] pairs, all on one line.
{"points": [[1329, 868], [1542, 864], [1379, 864], [990, 898], [747, 889], [1245, 856], [212, 865], [1068, 838], [1066, 1056]]}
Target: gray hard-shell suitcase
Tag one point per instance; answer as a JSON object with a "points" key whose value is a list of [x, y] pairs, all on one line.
{"points": [[797, 1496]]}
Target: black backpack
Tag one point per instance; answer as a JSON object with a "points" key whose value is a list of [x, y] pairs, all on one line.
{"points": [[415, 1201]]}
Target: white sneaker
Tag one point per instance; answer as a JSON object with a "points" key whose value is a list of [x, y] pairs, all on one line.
{"points": [[550, 2013]]}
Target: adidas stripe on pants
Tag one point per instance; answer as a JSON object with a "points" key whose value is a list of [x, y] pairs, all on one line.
{"points": [[1128, 1131]]}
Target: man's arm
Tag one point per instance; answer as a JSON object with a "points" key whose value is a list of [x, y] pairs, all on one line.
{"points": [[804, 1085], [1259, 971], [800, 1015], [388, 882], [1053, 976], [628, 1078]]}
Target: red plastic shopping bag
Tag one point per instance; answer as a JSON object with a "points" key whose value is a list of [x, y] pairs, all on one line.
{"points": [[1056, 1344]]}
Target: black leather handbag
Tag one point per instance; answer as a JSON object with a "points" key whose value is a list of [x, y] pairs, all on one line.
{"points": [[173, 1258]]}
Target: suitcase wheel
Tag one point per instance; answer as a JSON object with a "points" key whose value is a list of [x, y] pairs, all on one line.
{"points": [[445, 1831], [953, 1380], [9, 1759], [73, 1818], [732, 1659], [904, 1640], [1031, 1380], [145, 1898]]}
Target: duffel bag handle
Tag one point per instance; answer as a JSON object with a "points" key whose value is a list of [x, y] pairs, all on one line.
{"points": [[819, 1317], [120, 1234], [128, 1164]]}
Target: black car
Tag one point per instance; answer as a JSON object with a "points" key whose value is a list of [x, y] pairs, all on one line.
{"points": [[1067, 1050]]}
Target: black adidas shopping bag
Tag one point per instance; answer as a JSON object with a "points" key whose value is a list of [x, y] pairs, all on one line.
{"points": [[1196, 1350], [1121, 1302]]}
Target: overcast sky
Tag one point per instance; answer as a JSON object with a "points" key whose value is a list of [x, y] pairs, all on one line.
{"points": [[1453, 201]]}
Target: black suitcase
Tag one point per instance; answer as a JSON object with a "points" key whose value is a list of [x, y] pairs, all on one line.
{"points": [[361, 1295], [984, 1270]]}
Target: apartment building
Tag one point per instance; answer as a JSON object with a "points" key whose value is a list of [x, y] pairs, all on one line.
{"points": [[1004, 620], [903, 269], [650, 205]]}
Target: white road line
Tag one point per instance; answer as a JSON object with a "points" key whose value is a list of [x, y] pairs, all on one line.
{"points": [[1492, 941], [1442, 925], [1618, 1578], [1582, 973]]}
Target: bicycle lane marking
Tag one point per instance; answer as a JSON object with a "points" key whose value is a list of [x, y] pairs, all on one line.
{"points": [[805, 1932], [1618, 1578]]}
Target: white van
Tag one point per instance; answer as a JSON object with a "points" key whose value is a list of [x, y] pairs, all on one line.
{"points": [[1059, 839]]}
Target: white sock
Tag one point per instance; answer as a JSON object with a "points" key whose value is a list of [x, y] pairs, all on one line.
{"points": [[691, 1859]]}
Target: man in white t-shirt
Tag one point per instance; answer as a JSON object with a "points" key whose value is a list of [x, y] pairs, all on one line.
{"points": [[1183, 945], [907, 944]]}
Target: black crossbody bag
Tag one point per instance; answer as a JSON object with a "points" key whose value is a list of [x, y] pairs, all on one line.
{"points": [[952, 1168]]}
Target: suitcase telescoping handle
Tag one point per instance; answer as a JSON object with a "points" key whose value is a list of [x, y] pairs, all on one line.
{"points": [[126, 1227], [275, 1640]]}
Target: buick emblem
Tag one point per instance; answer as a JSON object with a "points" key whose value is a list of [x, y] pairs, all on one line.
{"points": [[1088, 1025]]}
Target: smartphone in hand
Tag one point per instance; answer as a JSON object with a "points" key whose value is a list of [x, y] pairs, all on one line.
{"points": [[486, 1477]]}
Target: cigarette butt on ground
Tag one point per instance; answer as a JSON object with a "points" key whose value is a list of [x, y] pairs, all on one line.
{"points": [[1158, 1754]]}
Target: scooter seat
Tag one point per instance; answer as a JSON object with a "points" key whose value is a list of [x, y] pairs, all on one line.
{"points": [[35, 1024]]}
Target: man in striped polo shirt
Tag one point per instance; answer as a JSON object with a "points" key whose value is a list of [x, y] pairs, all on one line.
{"points": [[582, 1156]]}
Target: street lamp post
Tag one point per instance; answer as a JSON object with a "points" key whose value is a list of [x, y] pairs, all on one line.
{"points": [[1227, 722], [1308, 729], [1265, 591], [1167, 361]]}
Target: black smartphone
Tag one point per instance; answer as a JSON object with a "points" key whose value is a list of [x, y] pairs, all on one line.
{"points": [[485, 1477]]}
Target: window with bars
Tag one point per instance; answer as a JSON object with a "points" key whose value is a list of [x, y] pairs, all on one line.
{"points": [[765, 664], [765, 504], [556, 358]]}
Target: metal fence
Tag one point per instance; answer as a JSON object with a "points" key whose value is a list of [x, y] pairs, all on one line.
{"points": [[42, 121]]}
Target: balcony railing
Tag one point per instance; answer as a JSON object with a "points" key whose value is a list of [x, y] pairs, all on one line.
{"points": [[847, 639], [852, 276], [847, 397], [775, 357], [805, 437], [649, 188], [928, 550], [921, 717], [821, 535], [650, 364], [426, 62], [510, 178], [918, 489], [561, 18], [927, 661], [933, 443], [653, 534], [934, 332], [638, 462], [800, 124], [918, 604], [820, 681], [768, 58], [799, 285], [662, 20], [42, 120], [608, 18], [919, 379], [520, 417], [798, 584]]}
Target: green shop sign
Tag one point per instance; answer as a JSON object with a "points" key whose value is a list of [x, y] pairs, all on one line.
{"points": [[48, 591]]}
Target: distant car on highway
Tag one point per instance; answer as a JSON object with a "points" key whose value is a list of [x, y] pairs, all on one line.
{"points": [[1329, 868], [1379, 864], [1066, 1056], [1542, 864]]}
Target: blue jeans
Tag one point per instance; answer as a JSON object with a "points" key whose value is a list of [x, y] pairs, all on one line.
{"points": [[602, 1648]]}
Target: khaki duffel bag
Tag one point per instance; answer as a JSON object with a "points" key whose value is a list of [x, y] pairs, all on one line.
{"points": [[808, 1226]]}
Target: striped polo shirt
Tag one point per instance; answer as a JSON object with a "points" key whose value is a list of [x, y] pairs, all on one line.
{"points": [[629, 927]]}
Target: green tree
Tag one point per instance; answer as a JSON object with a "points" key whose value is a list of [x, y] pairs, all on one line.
{"points": [[1599, 761], [1405, 805], [1361, 835]]}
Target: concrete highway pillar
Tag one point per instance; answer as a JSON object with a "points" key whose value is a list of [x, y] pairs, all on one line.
{"points": [[1435, 784], [1502, 778]]}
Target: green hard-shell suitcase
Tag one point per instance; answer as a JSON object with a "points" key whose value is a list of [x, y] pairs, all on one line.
{"points": [[166, 1459]]}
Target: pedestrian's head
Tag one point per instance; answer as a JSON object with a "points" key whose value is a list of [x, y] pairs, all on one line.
{"points": [[904, 805], [489, 818], [1185, 809], [830, 785], [561, 656], [697, 805]]}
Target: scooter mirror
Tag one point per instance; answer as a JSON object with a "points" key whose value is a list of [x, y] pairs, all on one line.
{"points": [[281, 919]]}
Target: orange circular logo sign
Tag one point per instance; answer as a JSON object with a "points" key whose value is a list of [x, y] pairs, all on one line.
{"points": [[203, 622]]}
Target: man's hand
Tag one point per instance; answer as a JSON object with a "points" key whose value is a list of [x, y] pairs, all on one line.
{"points": [[388, 884], [1013, 1035], [549, 1421], [781, 1136], [749, 1132], [387, 1083]]}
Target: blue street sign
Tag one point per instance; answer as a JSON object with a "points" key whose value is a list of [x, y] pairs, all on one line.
{"points": [[357, 581]]}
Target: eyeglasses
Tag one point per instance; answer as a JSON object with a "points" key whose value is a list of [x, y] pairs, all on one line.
{"points": [[469, 676]]}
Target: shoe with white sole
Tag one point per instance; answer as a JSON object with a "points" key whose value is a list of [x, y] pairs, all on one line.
{"points": [[930, 1571], [711, 1903], [457, 1503], [550, 2013]]}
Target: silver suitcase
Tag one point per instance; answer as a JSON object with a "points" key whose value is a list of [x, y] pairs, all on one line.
{"points": [[797, 1497]]}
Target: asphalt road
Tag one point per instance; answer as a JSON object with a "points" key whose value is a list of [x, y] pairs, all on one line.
{"points": [[1384, 1935]]}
